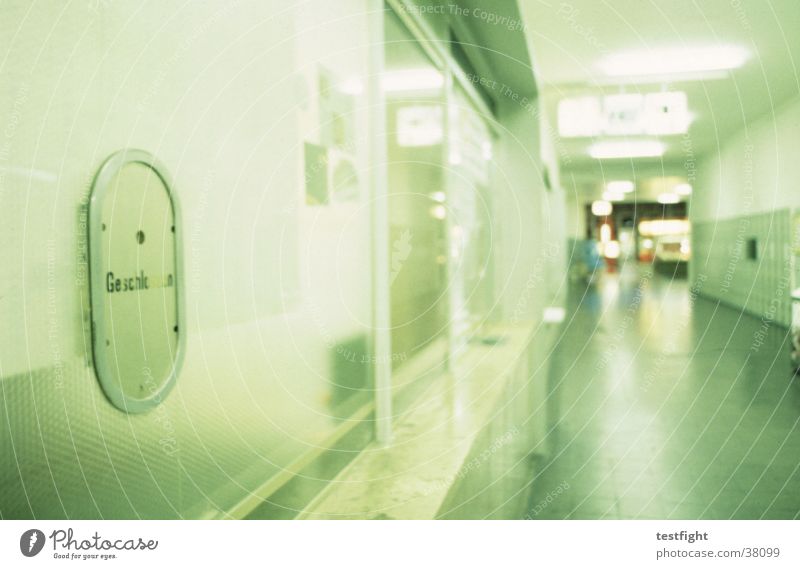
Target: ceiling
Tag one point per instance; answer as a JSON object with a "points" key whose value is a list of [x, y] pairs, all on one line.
{"points": [[568, 40], [497, 51]]}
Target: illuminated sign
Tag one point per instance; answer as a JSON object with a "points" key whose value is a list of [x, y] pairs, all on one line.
{"points": [[136, 290], [624, 114]]}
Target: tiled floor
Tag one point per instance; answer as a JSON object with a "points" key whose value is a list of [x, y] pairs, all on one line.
{"points": [[664, 405]]}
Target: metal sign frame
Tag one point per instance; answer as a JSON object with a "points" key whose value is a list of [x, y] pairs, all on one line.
{"points": [[102, 181]]}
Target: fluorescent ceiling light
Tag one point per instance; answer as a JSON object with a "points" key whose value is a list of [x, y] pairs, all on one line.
{"points": [[554, 314], [580, 116], [613, 196], [625, 114], [668, 197], [601, 208], [626, 149], [424, 79], [658, 227], [683, 189], [671, 60], [620, 186], [666, 113]]}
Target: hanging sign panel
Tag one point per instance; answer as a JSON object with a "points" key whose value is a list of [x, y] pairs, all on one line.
{"points": [[136, 286]]}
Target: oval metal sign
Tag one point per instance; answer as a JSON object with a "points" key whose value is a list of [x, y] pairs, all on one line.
{"points": [[136, 287]]}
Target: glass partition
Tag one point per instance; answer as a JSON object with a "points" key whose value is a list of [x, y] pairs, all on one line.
{"points": [[414, 90], [469, 159]]}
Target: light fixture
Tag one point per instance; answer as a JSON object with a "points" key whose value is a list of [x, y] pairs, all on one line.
{"points": [[554, 314], [405, 80], [666, 113], [580, 116], [659, 227], [668, 198], [605, 233], [601, 208], [673, 60], [626, 149], [613, 196], [625, 114], [683, 189], [612, 250], [438, 212], [620, 186]]}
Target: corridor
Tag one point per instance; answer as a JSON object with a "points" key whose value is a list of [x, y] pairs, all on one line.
{"points": [[399, 260], [665, 405]]}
